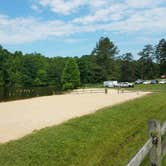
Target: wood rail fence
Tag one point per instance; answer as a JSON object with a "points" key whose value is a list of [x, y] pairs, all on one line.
{"points": [[97, 90], [155, 146], [102, 90]]}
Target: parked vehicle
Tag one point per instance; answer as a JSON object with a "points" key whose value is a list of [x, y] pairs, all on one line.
{"points": [[162, 82], [110, 84], [154, 82], [163, 76], [126, 84], [139, 81], [147, 82]]}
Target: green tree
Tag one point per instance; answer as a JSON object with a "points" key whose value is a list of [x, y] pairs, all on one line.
{"points": [[83, 64], [105, 52], [71, 75], [54, 71], [35, 70], [90, 71], [5, 66], [127, 68], [161, 55], [146, 62]]}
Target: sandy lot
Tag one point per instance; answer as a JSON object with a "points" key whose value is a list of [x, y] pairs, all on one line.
{"points": [[18, 118]]}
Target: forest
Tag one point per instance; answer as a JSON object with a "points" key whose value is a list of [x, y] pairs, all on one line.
{"points": [[103, 63]]}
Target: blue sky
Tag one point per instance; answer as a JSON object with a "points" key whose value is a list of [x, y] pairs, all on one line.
{"points": [[72, 27]]}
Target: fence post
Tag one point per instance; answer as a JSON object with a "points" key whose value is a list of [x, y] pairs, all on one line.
{"points": [[118, 89], [106, 90], [155, 153], [137, 92]]}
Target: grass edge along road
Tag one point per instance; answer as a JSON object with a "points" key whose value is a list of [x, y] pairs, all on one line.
{"points": [[111, 136]]}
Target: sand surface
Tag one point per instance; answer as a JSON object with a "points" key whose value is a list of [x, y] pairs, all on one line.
{"points": [[18, 118]]}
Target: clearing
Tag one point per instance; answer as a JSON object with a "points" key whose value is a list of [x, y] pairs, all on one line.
{"points": [[18, 118]]}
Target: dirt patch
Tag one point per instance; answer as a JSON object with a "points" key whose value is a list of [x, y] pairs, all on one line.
{"points": [[18, 118]]}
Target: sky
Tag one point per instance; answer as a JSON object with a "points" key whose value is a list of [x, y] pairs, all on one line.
{"points": [[72, 27]]}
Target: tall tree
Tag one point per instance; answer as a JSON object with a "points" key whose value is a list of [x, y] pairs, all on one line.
{"points": [[84, 64], [105, 52], [71, 75], [54, 71], [146, 62], [5, 66], [161, 55], [127, 68]]}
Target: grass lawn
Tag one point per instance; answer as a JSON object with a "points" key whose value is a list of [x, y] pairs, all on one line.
{"points": [[150, 87], [110, 136]]}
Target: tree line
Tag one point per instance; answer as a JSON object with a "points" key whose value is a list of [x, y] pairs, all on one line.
{"points": [[104, 63]]}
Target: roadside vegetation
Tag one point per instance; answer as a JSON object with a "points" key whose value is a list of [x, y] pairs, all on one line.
{"points": [[110, 136]]}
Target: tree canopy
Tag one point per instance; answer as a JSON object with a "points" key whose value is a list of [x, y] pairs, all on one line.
{"points": [[104, 63]]}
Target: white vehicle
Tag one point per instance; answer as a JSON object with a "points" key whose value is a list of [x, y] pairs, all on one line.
{"points": [[131, 84], [139, 81], [126, 84], [162, 82], [146, 82], [110, 84]]}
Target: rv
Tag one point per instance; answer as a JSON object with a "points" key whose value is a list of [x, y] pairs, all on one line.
{"points": [[110, 84]]}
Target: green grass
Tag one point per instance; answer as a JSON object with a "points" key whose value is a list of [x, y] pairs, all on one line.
{"points": [[151, 87], [164, 161], [109, 137]]}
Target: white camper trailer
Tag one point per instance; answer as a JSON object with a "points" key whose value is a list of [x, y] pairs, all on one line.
{"points": [[110, 84]]}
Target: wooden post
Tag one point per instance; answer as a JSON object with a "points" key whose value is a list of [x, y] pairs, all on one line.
{"points": [[155, 133], [118, 89], [106, 90], [164, 147], [137, 92]]}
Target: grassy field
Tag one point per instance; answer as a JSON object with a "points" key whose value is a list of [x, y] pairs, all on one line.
{"points": [[150, 87], [110, 136]]}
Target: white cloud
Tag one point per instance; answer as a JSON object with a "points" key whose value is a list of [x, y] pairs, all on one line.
{"points": [[21, 30], [71, 6], [61, 6], [105, 15], [152, 20], [66, 7], [144, 3], [36, 8], [74, 40], [113, 12]]}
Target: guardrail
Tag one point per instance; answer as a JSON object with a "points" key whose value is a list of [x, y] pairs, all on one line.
{"points": [[155, 146]]}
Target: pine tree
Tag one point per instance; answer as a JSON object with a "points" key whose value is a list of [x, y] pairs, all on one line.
{"points": [[105, 52], [127, 68], [161, 55], [71, 75], [146, 62]]}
